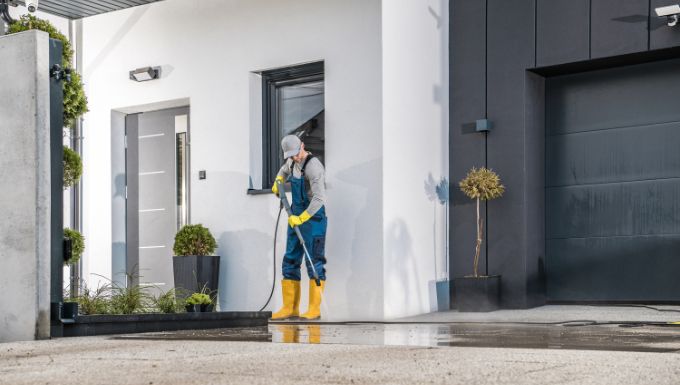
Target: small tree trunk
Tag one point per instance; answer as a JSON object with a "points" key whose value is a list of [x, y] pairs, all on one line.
{"points": [[479, 242]]}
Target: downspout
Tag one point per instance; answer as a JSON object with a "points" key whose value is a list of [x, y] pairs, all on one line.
{"points": [[75, 28]]}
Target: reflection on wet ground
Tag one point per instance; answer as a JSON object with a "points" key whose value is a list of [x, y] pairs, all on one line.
{"points": [[585, 337]]}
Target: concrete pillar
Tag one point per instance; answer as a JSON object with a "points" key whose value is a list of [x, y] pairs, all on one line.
{"points": [[25, 178]]}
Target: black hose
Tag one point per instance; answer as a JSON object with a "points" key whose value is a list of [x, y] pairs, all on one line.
{"points": [[276, 231], [640, 306], [570, 323], [4, 12]]}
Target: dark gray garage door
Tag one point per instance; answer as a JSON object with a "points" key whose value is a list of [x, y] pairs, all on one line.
{"points": [[613, 184]]}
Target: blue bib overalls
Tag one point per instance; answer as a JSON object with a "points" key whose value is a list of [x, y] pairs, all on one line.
{"points": [[313, 232]]}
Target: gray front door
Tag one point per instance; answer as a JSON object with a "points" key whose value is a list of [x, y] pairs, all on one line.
{"points": [[613, 184], [156, 170]]}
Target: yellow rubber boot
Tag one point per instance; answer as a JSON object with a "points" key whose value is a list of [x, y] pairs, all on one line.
{"points": [[315, 294], [291, 300]]}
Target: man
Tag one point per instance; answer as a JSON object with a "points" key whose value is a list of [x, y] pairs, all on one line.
{"points": [[309, 215]]}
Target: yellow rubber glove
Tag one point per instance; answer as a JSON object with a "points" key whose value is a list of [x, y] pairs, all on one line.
{"points": [[275, 187], [297, 220]]}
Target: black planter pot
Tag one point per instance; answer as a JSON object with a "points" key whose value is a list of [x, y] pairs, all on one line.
{"points": [[478, 294], [207, 308], [194, 272], [69, 310], [193, 308]]}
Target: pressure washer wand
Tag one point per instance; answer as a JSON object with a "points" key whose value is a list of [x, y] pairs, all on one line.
{"points": [[286, 205]]}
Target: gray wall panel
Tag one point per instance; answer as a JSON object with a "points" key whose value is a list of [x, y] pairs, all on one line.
{"points": [[639, 109], [612, 98], [468, 103], [661, 35], [618, 27], [614, 209], [534, 196], [510, 51], [591, 269], [607, 156], [562, 31]]}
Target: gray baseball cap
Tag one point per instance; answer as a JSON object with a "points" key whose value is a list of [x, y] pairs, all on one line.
{"points": [[290, 145]]}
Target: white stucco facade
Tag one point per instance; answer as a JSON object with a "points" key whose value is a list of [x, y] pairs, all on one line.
{"points": [[386, 95]]}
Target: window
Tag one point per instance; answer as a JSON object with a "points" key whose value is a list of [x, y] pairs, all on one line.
{"points": [[293, 103]]}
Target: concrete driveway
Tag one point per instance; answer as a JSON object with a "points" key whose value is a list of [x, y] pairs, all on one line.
{"points": [[438, 349]]}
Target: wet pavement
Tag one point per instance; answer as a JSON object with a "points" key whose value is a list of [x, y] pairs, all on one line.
{"points": [[535, 348], [631, 337]]}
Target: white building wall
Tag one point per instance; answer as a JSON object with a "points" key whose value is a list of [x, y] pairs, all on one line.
{"points": [[415, 152], [208, 50]]}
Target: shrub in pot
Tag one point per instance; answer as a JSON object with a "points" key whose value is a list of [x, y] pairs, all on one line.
{"points": [[198, 302], [479, 292], [195, 268], [76, 247], [73, 167]]}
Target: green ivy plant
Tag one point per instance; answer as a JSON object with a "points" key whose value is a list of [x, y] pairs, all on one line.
{"points": [[73, 167], [77, 245], [75, 101], [28, 22], [194, 240], [481, 184]]}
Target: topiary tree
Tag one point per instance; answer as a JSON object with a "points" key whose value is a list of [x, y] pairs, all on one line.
{"points": [[194, 240], [73, 167], [75, 101], [77, 245], [481, 184]]}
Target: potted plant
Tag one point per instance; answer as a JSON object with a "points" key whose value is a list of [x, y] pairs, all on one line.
{"points": [[195, 267], [73, 167], [198, 302], [73, 248], [479, 292]]}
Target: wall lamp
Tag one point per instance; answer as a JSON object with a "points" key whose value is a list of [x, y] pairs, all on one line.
{"points": [[145, 74], [670, 12]]}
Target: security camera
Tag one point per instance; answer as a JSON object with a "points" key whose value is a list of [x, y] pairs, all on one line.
{"points": [[32, 5], [670, 12]]}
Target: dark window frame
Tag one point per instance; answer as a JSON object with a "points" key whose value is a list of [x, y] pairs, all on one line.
{"points": [[272, 158]]}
